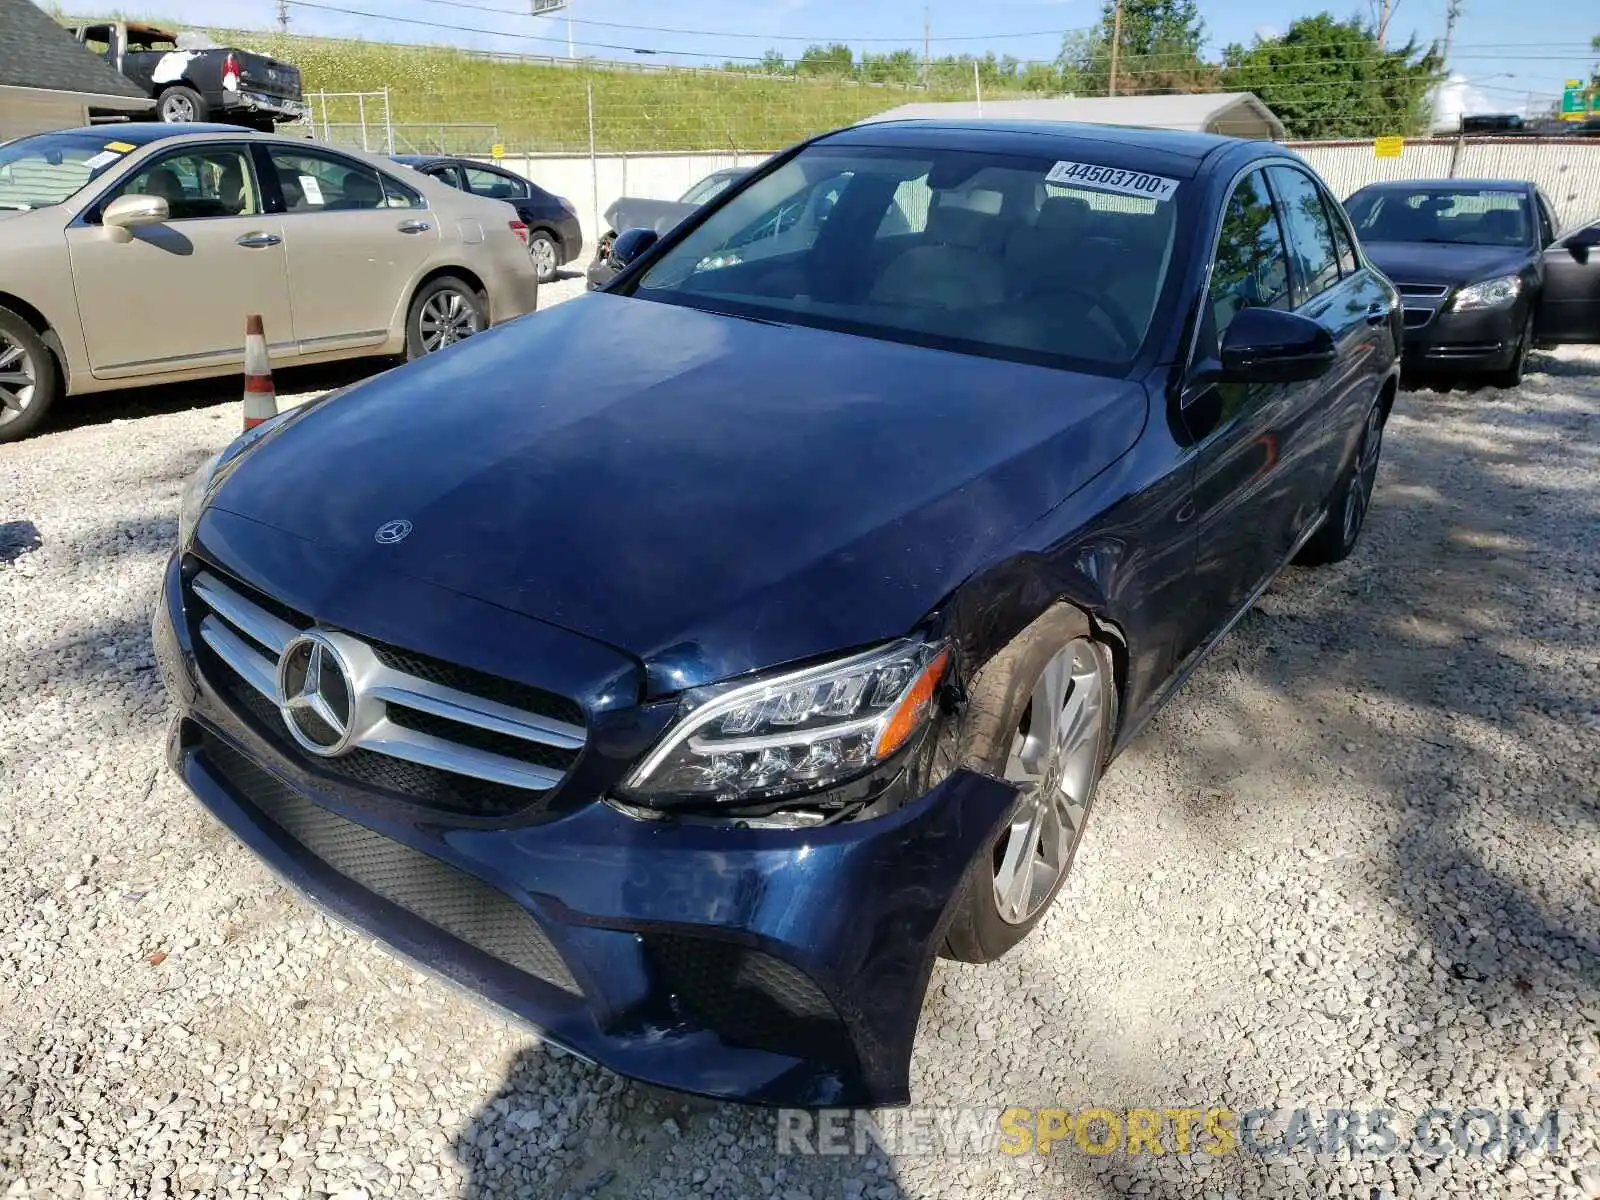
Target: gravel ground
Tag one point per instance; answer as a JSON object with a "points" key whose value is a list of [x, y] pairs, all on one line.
{"points": [[1353, 865]]}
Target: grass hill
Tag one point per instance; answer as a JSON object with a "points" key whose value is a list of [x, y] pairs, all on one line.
{"points": [[530, 107]]}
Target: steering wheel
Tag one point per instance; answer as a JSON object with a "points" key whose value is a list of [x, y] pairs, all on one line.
{"points": [[1121, 324]]}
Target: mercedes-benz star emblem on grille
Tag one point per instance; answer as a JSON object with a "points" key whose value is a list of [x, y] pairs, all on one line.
{"points": [[391, 532], [314, 695]]}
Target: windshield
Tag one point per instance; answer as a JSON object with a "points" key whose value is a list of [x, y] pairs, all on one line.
{"points": [[963, 251], [50, 167], [1471, 217], [708, 188]]}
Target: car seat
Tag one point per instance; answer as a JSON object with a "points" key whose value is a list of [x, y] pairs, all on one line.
{"points": [[955, 266]]}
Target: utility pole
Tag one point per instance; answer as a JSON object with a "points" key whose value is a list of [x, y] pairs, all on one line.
{"points": [[1451, 12], [977, 86], [1116, 43], [283, 16], [924, 45], [1385, 11]]}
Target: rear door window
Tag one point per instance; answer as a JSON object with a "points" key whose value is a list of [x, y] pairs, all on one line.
{"points": [[315, 181], [1310, 233], [494, 184]]}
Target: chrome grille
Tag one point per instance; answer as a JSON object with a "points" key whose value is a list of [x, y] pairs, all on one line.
{"points": [[1422, 302], [412, 731]]}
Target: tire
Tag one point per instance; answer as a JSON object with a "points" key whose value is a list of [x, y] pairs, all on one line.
{"points": [[1510, 377], [1009, 886], [546, 255], [444, 311], [1351, 499], [24, 357], [180, 104]]}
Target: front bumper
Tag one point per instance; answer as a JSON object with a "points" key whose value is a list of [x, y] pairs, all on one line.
{"points": [[569, 234], [760, 965], [1481, 340]]}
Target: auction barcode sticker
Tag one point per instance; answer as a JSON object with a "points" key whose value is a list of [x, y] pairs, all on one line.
{"points": [[1113, 179]]}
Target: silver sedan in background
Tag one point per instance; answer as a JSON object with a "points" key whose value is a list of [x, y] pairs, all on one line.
{"points": [[134, 252]]}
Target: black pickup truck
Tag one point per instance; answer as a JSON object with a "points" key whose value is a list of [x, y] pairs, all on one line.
{"points": [[193, 79]]}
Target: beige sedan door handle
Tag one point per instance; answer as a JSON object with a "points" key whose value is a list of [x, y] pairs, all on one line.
{"points": [[414, 226], [255, 241]]}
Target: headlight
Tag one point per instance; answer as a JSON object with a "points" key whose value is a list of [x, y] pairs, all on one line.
{"points": [[195, 491], [1491, 293], [194, 498], [796, 733]]}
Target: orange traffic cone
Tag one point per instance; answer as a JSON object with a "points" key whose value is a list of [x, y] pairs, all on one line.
{"points": [[260, 400]]}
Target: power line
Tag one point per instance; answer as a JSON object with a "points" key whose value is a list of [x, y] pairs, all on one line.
{"points": [[770, 37], [501, 33], [1173, 61]]}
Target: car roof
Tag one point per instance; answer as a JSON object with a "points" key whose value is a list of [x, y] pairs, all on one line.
{"points": [[1459, 185], [418, 160], [145, 133], [1173, 147]]}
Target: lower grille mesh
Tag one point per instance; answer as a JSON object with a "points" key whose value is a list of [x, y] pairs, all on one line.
{"points": [[436, 892], [751, 998]]}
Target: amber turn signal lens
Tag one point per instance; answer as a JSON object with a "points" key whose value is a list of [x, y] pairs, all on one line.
{"points": [[913, 708]]}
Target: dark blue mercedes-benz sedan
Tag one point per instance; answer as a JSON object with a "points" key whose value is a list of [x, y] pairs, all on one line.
{"points": [[682, 669]]}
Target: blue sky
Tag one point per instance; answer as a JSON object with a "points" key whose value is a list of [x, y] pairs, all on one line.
{"points": [[1506, 49]]}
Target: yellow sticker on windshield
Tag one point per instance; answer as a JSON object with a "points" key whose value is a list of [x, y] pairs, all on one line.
{"points": [[119, 147]]}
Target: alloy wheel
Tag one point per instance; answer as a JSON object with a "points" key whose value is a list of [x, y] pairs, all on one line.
{"points": [[544, 256], [177, 108], [19, 376], [447, 317], [1365, 476], [1055, 763]]}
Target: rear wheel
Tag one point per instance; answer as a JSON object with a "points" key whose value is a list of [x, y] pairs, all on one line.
{"points": [[180, 104], [1040, 716], [444, 312], [28, 377], [546, 257], [1351, 500]]}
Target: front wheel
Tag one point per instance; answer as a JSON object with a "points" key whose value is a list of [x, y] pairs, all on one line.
{"points": [[181, 104], [446, 311], [546, 258], [28, 377], [1351, 501], [1040, 716]]}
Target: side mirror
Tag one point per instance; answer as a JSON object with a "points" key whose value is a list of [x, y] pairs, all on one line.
{"points": [[630, 245], [1266, 345], [127, 213]]}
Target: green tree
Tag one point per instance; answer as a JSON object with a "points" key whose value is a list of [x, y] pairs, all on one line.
{"points": [[1158, 50], [837, 59], [1327, 78]]}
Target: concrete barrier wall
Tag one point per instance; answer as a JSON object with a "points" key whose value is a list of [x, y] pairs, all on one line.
{"points": [[650, 176], [1567, 168]]}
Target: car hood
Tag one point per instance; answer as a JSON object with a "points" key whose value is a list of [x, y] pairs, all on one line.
{"points": [[632, 212], [1444, 265], [709, 494]]}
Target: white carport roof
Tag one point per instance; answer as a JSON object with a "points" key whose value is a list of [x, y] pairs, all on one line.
{"points": [[1234, 114]]}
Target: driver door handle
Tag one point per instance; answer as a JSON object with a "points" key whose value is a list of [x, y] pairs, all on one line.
{"points": [[255, 241], [414, 226], [1377, 312]]}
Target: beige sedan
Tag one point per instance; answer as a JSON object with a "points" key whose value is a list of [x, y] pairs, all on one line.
{"points": [[133, 253]]}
